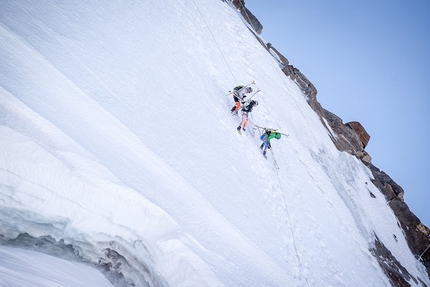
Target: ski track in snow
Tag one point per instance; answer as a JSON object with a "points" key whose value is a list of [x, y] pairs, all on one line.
{"points": [[116, 131]]}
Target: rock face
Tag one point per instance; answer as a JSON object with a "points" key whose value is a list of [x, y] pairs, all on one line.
{"points": [[282, 60], [352, 137], [361, 132], [248, 16], [417, 234]]}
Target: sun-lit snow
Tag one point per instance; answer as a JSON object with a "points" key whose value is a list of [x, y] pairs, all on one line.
{"points": [[115, 132]]}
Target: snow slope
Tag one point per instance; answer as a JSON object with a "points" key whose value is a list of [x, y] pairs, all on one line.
{"points": [[28, 268], [116, 135]]}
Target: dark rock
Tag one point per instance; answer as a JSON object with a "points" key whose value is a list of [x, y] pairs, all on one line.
{"points": [[360, 131], [284, 61], [248, 16], [396, 273]]}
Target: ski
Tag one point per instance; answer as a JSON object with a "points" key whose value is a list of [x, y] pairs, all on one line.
{"points": [[243, 101], [276, 164], [274, 160], [241, 130], [252, 83]]}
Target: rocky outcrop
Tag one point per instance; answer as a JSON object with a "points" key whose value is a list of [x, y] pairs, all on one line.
{"points": [[281, 58], [393, 269], [352, 137], [361, 132], [417, 234], [248, 16]]}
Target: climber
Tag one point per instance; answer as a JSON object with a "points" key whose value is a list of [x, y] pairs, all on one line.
{"points": [[239, 97], [266, 137], [246, 109]]}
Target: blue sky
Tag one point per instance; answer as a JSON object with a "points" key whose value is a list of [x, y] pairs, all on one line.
{"points": [[370, 61]]}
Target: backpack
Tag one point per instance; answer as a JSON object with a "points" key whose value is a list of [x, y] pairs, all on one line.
{"points": [[237, 88], [263, 137]]}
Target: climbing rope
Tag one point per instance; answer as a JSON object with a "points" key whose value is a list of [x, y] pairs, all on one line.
{"points": [[420, 258], [261, 131], [291, 226], [216, 42], [281, 75]]}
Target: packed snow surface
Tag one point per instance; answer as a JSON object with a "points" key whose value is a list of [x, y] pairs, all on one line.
{"points": [[29, 268], [116, 135]]}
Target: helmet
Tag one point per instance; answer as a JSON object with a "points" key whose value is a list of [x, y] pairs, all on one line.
{"points": [[249, 90], [256, 103]]}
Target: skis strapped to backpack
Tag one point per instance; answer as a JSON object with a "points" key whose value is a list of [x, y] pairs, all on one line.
{"points": [[252, 83]]}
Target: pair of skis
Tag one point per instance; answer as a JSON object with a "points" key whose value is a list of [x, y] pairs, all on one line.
{"points": [[252, 83]]}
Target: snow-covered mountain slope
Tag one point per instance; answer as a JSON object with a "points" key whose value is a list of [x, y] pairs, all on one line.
{"points": [[28, 268], [118, 147]]}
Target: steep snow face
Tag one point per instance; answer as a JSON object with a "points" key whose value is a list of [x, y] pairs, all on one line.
{"points": [[28, 268], [117, 140]]}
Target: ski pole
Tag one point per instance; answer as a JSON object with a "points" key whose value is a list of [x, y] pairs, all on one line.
{"points": [[274, 159], [252, 83]]}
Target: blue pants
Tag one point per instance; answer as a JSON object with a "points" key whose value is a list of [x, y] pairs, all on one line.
{"points": [[265, 145]]}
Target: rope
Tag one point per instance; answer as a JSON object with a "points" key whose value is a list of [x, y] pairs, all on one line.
{"points": [[219, 48], [258, 127], [420, 258], [275, 163], [260, 130], [291, 226], [280, 74]]}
